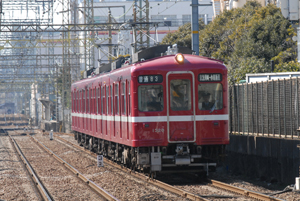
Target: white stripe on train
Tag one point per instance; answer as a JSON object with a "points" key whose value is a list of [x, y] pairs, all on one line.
{"points": [[218, 117]]}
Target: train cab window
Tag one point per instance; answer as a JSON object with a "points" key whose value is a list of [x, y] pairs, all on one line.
{"points": [[180, 94], [117, 105], [150, 98], [210, 96]]}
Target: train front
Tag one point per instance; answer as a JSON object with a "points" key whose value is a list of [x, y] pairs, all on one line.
{"points": [[180, 118]]}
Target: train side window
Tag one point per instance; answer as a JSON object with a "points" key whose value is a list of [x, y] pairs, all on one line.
{"points": [[98, 94], [123, 98], [77, 101], [88, 101], [84, 103], [210, 96], [94, 101], [80, 103], [111, 100], [107, 96], [129, 99], [72, 99], [103, 100], [150, 98], [117, 105]]}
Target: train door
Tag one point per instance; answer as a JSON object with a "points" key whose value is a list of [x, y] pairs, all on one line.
{"points": [[181, 106]]}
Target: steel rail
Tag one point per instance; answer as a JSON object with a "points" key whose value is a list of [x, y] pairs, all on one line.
{"points": [[140, 176], [245, 192], [89, 182], [41, 188]]}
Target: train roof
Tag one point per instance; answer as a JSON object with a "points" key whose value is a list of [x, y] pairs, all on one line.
{"points": [[152, 58]]}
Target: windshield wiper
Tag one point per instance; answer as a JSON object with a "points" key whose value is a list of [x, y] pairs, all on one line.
{"points": [[213, 107]]}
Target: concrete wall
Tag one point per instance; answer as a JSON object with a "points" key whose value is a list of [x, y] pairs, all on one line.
{"points": [[264, 158]]}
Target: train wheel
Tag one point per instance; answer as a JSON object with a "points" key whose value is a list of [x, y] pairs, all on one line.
{"points": [[79, 139], [75, 136], [202, 176], [99, 147]]}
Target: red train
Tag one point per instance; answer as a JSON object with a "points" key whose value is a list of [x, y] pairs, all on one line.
{"points": [[167, 113]]}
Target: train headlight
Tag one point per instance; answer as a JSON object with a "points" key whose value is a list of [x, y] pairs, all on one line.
{"points": [[179, 58]]}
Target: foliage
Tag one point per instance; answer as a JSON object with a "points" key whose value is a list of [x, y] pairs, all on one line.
{"points": [[246, 39], [287, 66], [182, 37], [238, 67]]}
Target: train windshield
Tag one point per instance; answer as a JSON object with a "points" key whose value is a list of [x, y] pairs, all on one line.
{"points": [[210, 96], [180, 94], [150, 98]]}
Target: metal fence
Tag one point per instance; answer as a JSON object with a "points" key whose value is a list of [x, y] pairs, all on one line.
{"points": [[269, 108]]}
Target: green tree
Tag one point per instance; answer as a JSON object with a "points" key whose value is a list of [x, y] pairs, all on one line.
{"points": [[246, 39], [182, 36]]}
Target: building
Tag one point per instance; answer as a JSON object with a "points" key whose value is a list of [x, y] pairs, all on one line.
{"points": [[169, 16], [258, 77]]}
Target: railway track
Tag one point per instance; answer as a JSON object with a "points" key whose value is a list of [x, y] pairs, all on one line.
{"points": [[39, 185], [181, 193], [242, 191], [220, 185], [15, 181], [54, 190], [135, 188]]}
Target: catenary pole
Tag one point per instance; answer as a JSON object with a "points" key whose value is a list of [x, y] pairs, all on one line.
{"points": [[195, 25]]}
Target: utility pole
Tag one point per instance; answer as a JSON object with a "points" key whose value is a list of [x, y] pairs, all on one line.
{"points": [[195, 25], [141, 14], [0, 12], [109, 36]]}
